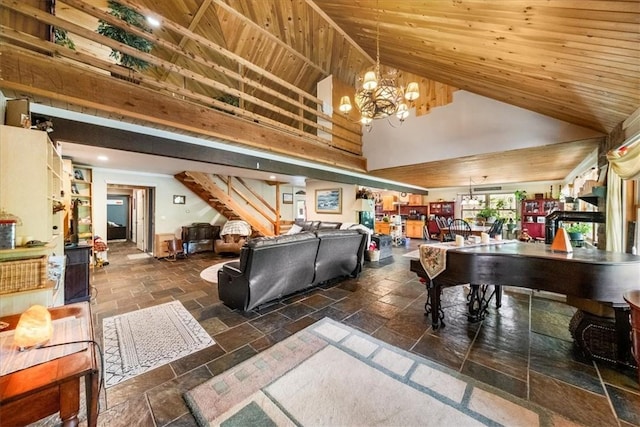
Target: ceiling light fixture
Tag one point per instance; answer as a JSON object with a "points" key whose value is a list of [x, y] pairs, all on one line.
{"points": [[378, 94], [470, 200]]}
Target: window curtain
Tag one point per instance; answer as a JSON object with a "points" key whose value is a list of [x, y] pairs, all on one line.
{"points": [[624, 163]]}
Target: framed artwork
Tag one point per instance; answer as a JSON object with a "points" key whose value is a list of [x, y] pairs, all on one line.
{"points": [[179, 200], [287, 198], [329, 201]]}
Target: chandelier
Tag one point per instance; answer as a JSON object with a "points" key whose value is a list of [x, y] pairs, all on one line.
{"points": [[378, 95], [471, 200]]}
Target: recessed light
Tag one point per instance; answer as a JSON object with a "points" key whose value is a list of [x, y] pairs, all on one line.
{"points": [[153, 21], [103, 158]]}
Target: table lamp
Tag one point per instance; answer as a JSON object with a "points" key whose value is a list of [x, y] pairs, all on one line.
{"points": [[34, 328]]}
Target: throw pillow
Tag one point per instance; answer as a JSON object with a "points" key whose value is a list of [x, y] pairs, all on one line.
{"points": [[295, 229]]}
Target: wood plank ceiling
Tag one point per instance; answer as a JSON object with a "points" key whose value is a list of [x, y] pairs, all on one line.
{"points": [[574, 60]]}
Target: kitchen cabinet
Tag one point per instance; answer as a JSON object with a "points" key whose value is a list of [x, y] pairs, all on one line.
{"points": [[382, 227], [534, 212], [414, 229], [389, 203], [415, 200]]}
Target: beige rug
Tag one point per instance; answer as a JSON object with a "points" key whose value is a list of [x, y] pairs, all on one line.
{"points": [[210, 274], [330, 374], [139, 341]]}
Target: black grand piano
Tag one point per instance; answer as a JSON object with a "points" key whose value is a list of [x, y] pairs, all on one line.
{"points": [[585, 273]]}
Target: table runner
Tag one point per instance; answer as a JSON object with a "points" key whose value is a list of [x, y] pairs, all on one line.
{"points": [[433, 256], [64, 330]]}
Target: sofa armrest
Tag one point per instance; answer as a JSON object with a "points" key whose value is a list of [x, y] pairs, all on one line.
{"points": [[233, 286]]}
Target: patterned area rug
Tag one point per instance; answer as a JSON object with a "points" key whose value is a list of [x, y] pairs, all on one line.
{"points": [[145, 339], [331, 374], [210, 274]]}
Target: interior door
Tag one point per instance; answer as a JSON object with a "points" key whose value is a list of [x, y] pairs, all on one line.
{"points": [[139, 215]]}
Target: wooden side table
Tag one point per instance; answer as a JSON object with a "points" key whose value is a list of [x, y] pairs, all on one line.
{"points": [[41, 390], [633, 298]]}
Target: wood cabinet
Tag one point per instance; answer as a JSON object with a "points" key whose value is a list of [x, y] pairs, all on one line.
{"points": [[415, 229], [389, 203], [415, 200], [382, 227], [443, 209], [533, 215], [160, 248], [81, 200], [31, 184], [76, 278]]}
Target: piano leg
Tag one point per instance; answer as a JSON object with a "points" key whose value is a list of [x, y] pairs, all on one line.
{"points": [[623, 336], [478, 303], [433, 305], [498, 291]]}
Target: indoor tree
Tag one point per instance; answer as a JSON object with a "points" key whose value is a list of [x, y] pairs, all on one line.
{"points": [[132, 17]]}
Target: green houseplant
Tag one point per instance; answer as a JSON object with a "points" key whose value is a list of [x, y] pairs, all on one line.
{"points": [[132, 17], [487, 213], [577, 230]]}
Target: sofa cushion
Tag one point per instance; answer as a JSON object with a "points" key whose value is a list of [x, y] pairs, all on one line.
{"points": [[324, 225], [260, 242]]}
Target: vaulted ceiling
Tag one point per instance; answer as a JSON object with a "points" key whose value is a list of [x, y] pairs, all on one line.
{"points": [[573, 60]]}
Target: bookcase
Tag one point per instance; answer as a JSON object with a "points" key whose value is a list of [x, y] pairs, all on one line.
{"points": [[534, 212], [81, 202]]}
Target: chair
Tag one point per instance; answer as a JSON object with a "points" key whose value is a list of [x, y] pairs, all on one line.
{"points": [[233, 236], [175, 247], [431, 230], [443, 229], [459, 227], [496, 227]]}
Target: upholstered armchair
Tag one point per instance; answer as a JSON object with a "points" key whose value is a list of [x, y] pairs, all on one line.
{"points": [[233, 236]]}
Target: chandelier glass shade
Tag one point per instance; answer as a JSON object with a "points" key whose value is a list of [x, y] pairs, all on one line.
{"points": [[378, 95]]}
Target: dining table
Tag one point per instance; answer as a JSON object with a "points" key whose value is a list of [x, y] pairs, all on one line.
{"points": [[476, 230]]}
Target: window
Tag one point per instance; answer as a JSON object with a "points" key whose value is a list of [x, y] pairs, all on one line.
{"points": [[505, 206]]}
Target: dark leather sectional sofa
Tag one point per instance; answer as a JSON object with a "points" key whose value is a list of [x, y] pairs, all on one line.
{"points": [[273, 267]]}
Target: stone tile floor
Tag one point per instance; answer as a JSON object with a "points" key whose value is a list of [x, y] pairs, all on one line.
{"points": [[523, 348]]}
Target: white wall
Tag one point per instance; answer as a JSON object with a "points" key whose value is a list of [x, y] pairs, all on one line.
{"points": [[169, 217], [348, 202], [471, 124]]}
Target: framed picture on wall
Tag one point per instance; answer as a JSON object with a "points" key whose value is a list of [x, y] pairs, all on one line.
{"points": [[287, 198], [329, 201]]}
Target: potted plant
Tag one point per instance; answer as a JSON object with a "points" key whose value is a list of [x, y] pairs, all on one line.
{"points": [[132, 17], [487, 214], [577, 230]]}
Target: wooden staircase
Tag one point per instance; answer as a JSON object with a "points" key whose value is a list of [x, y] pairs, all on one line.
{"points": [[206, 188]]}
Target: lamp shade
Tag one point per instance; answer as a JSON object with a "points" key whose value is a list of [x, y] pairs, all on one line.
{"points": [[34, 328], [370, 81], [345, 104], [413, 91]]}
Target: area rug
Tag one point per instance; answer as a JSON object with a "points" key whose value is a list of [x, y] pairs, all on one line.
{"points": [[331, 374], [142, 255], [145, 339], [210, 274]]}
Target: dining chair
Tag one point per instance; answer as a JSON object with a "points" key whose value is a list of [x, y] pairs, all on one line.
{"points": [[431, 230], [459, 227], [443, 228], [496, 227]]}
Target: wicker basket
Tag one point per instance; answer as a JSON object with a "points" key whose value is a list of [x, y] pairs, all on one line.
{"points": [[23, 275]]}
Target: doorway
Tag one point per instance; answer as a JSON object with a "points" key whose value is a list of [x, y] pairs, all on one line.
{"points": [[132, 208]]}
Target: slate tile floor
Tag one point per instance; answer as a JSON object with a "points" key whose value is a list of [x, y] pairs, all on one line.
{"points": [[523, 348]]}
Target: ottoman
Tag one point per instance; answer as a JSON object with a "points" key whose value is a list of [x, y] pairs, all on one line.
{"points": [[383, 242]]}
